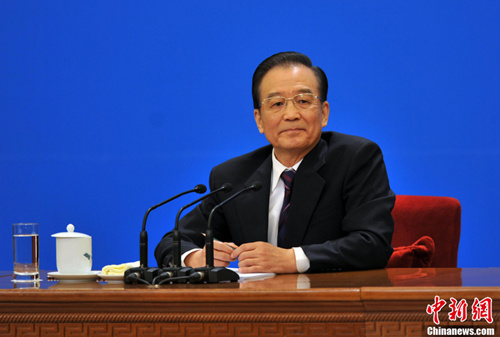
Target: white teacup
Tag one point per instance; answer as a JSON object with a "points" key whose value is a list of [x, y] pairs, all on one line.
{"points": [[74, 252]]}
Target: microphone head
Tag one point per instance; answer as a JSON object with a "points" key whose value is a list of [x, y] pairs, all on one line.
{"points": [[200, 189], [256, 185], [227, 187]]}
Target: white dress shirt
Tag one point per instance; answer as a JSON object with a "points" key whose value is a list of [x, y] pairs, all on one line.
{"points": [[276, 197]]}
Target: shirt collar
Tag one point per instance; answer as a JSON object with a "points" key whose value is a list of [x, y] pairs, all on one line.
{"points": [[278, 168]]}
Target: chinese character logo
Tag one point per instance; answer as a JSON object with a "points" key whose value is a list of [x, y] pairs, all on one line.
{"points": [[458, 310], [481, 309], [434, 309]]}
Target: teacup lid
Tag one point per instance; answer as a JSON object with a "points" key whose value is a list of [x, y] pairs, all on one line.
{"points": [[70, 233]]}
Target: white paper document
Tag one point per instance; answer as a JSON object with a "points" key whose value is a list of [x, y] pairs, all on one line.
{"points": [[252, 276]]}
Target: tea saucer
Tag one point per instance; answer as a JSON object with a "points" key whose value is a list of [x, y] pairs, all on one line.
{"points": [[76, 277]]}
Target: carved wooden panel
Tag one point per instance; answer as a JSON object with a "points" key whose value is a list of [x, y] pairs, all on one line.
{"points": [[264, 317], [245, 325], [182, 324], [393, 329], [182, 329]]}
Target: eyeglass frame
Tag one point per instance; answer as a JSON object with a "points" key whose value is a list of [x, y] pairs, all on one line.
{"points": [[292, 99]]}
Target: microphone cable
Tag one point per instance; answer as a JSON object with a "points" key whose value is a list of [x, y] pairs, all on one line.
{"points": [[134, 277]]}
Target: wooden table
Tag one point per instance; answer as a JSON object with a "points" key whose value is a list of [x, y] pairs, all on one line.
{"points": [[387, 302]]}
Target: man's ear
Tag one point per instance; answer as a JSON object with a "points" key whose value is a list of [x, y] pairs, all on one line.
{"points": [[325, 113], [258, 120]]}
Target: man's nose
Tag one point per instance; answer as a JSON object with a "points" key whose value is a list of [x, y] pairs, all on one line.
{"points": [[290, 110]]}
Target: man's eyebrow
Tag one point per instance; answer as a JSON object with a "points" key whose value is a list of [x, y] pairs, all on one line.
{"points": [[305, 91], [272, 94], [299, 91]]}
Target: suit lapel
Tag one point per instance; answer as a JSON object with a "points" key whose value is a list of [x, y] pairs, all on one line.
{"points": [[307, 188], [253, 207]]}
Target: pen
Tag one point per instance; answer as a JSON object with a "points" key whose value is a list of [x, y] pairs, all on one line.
{"points": [[225, 244], [215, 239]]}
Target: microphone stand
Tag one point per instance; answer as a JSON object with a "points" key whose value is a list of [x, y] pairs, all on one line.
{"points": [[176, 270], [176, 241], [212, 274], [142, 272]]}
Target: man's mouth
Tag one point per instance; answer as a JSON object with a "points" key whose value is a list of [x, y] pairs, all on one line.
{"points": [[292, 130]]}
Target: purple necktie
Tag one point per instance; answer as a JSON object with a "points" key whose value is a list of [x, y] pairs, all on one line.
{"points": [[287, 177]]}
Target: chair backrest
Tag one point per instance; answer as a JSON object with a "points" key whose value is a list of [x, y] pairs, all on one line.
{"points": [[437, 217]]}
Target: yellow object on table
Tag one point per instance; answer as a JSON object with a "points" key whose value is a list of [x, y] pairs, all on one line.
{"points": [[118, 269]]}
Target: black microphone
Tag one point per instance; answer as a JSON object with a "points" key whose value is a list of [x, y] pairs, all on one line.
{"points": [[210, 273], [134, 274], [143, 239], [227, 187]]}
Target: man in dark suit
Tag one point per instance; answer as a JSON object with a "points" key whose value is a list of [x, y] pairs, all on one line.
{"points": [[336, 213]]}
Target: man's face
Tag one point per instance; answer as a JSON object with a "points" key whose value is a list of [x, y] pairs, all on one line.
{"points": [[292, 132]]}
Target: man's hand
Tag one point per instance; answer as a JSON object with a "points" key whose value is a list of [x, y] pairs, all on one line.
{"points": [[222, 255], [263, 257]]}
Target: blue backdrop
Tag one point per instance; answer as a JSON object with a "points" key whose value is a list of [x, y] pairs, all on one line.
{"points": [[110, 107]]}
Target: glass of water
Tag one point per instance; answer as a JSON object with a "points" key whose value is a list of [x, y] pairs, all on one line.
{"points": [[26, 252]]}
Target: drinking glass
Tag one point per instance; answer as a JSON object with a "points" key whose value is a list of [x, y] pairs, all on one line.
{"points": [[26, 252]]}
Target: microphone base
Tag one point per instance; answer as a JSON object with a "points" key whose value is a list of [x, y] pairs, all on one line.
{"points": [[217, 275], [179, 272], [211, 274], [132, 275], [151, 273], [184, 271]]}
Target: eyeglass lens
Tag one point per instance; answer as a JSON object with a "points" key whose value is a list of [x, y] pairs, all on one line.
{"points": [[302, 101]]}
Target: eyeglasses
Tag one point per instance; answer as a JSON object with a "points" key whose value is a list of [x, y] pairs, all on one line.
{"points": [[301, 101]]}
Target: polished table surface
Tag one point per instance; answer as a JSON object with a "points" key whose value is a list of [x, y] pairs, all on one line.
{"points": [[359, 303]]}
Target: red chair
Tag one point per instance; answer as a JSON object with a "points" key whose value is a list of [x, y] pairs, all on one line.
{"points": [[426, 232]]}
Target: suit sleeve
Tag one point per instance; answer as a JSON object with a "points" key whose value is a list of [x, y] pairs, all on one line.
{"points": [[367, 221]]}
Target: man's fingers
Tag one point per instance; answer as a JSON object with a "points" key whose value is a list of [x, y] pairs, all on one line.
{"points": [[222, 252], [219, 263], [224, 247], [241, 249]]}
